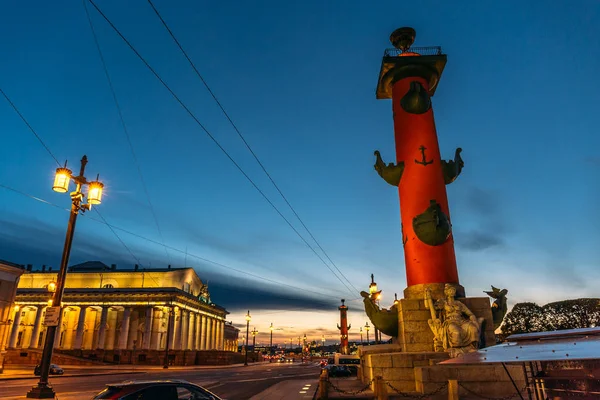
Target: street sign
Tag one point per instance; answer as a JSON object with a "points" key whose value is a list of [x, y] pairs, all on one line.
{"points": [[52, 316]]}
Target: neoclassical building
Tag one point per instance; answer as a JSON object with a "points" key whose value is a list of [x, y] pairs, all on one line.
{"points": [[9, 279], [105, 308]]}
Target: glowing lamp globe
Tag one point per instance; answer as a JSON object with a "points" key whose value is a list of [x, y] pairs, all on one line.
{"points": [[95, 192], [248, 317], [52, 287], [50, 303], [62, 180]]}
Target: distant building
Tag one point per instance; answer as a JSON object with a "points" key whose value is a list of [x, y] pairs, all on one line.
{"points": [[116, 311], [9, 279], [231, 337]]}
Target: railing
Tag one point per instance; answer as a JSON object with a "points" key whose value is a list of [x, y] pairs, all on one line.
{"points": [[423, 51]]}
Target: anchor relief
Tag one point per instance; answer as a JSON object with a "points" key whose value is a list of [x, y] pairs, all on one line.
{"points": [[432, 226], [423, 161]]}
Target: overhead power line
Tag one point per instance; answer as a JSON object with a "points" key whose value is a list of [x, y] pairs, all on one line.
{"points": [[28, 125], [137, 260], [52, 155], [187, 109], [164, 23], [218, 264], [124, 126]]}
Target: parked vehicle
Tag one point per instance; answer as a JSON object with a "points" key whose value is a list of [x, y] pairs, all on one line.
{"points": [[54, 370], [336, 371], [172, 389]]}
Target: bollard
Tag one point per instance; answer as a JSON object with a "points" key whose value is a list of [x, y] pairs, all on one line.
{"points": [[323, 386], [380, 389], [452, 389]]}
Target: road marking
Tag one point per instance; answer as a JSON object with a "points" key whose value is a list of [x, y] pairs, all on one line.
{"points": [[273, 377]]}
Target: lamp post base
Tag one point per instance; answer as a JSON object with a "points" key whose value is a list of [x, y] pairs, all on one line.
{"points": [[41, 392]]}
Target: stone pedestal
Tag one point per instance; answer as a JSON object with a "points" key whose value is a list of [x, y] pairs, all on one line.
{"points": [[483, 380], [437, 290], [398, 369], [414, 333]]}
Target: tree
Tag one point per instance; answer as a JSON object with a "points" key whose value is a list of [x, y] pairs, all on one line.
{"points": [[523, 318], [566, 314], [572, 314]]}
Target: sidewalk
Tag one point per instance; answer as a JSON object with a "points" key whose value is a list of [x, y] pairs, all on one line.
{"points": [[295, 389]]}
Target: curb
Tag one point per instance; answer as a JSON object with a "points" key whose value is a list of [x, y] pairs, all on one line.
{"points": [[14, 378]]}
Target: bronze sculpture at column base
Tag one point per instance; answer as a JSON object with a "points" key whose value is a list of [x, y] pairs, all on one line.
{"points": [[455, 328]]}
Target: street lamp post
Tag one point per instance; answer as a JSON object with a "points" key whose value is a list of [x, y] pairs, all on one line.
{"points": [[271, 343], [361, 336], [248, 318], [323, 344], [171, 320], [62, 180], [304, 349], [254, 333], [367, 327]]}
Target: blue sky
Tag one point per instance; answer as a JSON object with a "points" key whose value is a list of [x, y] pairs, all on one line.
{"points": [[519, 94]]}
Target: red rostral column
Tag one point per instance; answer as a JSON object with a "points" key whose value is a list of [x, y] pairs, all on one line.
{"points": [[409, 77], [343, 327]]}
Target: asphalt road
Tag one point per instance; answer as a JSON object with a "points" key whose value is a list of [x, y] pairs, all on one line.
{"points": [[233, 383]]}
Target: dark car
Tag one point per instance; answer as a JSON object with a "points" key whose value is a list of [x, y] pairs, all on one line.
{"points": [[173, 389], [337, 371], [54, 370]]}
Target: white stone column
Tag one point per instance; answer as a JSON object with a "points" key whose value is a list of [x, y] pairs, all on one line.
{"points": [[222, 335], [148, 328], [214, 335], [209, 333], [124, 333], [134, 325], [203, 333], [178, 326], [14, 334], [171, 316], [154, 343], [111, 331], [59, 330], [33, 343], [69, 329], [198, 330], [217, 333], [89, 334], [191, 329], [185, 325], [102, 328], [217, 328], [77, 345]]}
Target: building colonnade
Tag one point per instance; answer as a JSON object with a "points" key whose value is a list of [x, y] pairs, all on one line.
{"points": [[115, 327]]}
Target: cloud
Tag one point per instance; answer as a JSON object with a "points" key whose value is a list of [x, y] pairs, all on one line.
{"points": [[30, 241], [592, 160], [488, 227], [242, 294], [478, 240]]}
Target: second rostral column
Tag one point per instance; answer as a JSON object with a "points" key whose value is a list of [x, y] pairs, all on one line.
{"points": [[410, 77]]}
